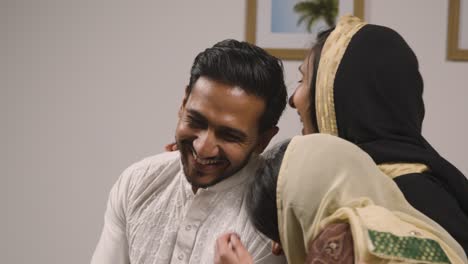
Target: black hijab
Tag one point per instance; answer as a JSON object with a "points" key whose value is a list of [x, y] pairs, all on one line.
{"points": [[378, 104]]}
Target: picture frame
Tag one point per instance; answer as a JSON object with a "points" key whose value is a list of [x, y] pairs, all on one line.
{"points": [[456, 34], [278, 44]]}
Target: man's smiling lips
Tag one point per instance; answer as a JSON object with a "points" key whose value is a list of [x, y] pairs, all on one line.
{"points": [[207, 165]]}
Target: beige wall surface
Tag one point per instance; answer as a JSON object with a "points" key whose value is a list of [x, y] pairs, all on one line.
{"points": [[89, 87]]}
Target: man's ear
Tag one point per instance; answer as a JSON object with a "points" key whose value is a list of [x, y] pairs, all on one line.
{"points": [[276, 248], [265, 139]]}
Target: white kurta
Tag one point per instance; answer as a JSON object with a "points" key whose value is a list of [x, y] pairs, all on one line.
{"points": [[153, 216]]}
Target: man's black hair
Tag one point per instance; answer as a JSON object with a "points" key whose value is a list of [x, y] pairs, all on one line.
{"points": [[248, 67]]}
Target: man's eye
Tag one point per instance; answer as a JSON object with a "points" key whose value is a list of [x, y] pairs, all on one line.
{"points": [[231, 138], [193, 123], [300, 81]]}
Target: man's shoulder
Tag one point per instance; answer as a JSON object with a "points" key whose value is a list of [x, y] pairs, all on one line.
{"points": [[160, 160], [152, 169]]}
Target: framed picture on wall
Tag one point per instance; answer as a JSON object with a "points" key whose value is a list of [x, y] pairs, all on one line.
{"points": [[274, 24], [457, 39]]}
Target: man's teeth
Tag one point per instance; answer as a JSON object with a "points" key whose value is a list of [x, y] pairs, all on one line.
{"points": [[204, 161]]}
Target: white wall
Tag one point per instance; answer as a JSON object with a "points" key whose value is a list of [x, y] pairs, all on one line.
{"points": [[88, 87]]}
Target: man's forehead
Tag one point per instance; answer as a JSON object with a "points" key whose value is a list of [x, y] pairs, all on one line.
{"points": [[208, 88], [229, 112]]}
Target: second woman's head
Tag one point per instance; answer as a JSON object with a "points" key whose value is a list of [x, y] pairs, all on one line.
{"points": [[303, 98]]}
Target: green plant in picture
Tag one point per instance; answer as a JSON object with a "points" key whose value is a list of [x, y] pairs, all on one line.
{"points": [[313, 10]]}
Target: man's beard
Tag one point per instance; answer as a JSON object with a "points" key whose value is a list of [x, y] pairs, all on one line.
{"points": [[186, 149]]}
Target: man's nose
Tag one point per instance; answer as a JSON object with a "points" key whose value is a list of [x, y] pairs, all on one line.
{"points": [[206, 145]]}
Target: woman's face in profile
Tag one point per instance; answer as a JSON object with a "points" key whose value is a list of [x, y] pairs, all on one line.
{"points": [[300, 99]]}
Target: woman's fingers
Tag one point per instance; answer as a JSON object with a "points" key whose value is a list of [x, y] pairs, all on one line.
{"points": [[224, 253], [242, 254], [171, 147], [230, 250]]}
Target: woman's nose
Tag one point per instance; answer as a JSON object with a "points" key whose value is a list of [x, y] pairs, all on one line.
{"points": [[291, 100]]}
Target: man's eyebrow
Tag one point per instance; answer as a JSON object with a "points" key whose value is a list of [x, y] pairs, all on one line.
{"points": [[196, 114], [235, 132]]}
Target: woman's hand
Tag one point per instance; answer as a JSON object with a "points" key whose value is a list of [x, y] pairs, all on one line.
{"points": [[171, 147], [229, 250]]}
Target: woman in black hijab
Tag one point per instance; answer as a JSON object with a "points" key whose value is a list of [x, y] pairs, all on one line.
{"points": [[362, 83]]}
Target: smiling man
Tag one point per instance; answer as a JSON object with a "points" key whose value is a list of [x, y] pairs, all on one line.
{"points": [[170, 208]]}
